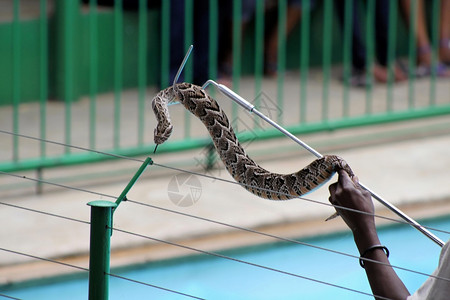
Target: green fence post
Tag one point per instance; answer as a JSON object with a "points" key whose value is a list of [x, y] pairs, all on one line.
{"points": [[43, 73], [392, 38], [118, 69], [237, 56], [326, 56], [165, 43], [16, 77], [259, 55], [99, 255], [142, 68], [281, 55], [259, 48], [412, 51], [66, 24], [435, 21], [304, 57], [370, 53], [347, 54], [93, 71], [100, 242]]}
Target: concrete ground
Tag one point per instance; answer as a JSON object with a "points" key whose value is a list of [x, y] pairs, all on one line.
{"points": [[405, 162]]}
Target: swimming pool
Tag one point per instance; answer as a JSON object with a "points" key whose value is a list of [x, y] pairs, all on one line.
{"points": [[216, 278]]}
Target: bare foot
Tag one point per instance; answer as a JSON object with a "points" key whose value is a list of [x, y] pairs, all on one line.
{"points": [[380, 73]]}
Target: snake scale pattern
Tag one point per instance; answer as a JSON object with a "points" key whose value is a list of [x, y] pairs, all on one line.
{"points": [[242, 168]]}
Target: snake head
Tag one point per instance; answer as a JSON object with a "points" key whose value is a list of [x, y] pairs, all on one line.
{"points": [[159, 105], [162, 133], [339, 164]]}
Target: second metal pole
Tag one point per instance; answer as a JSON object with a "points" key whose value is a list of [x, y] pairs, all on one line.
{"points": [[99, 255]]}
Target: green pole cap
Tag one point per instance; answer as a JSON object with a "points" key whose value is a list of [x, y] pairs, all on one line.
{"points": [[102, 203]]}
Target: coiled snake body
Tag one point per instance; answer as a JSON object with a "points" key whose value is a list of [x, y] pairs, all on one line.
{"points": [[242, 168]]}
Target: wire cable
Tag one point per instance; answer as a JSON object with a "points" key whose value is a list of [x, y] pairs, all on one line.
{"points": [[44, 213], [185, 247], [234, 226], [219, 179], [195, 173], [86, 269], [400, 221], [70, 146], [153, 286], [243, 262], [282, 238], [198, 250], [9, 297], [184, 171], [57, 184], [45, 259], [201, 218], [222, 224]]}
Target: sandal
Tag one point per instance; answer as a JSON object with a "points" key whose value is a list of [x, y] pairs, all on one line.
{"points": [[440, 69], [356, 78], [444, 52], [425, 68]]}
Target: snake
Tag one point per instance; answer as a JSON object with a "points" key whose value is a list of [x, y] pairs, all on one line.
{"points": [[241, 167]]}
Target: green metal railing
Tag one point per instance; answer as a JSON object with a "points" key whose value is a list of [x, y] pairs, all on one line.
{"points": [[101, 64]]}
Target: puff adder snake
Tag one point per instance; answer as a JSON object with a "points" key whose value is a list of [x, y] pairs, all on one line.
{"points": [[241, 167]]}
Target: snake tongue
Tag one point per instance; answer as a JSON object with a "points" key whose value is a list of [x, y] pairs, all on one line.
{"points": [[156, 147]]}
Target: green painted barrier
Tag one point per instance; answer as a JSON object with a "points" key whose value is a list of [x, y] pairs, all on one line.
{"points": [[85, 50]]}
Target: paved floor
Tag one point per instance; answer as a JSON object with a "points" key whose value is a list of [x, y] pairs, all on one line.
{"points": [[406, 163]]}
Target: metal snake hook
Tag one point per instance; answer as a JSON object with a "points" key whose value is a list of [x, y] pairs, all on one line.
{"points": [[180, 69], [183, 63]]}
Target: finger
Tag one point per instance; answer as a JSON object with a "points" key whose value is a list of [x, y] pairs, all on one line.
{"points": [[332, 188], [355, 180], [347, 181], [331, 199], [342, 173], [344, 178]]}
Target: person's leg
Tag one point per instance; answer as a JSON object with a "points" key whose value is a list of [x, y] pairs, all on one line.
{"points": [[423, 41], [444, 45], [293, 16], [382, 40], [381, 30], [424, 67], [201, 42], [176, 37]]}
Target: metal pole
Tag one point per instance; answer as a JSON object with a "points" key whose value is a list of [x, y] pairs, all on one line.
{"points": [[251, 108], [405, 217], [123, 195], [99, 256]]}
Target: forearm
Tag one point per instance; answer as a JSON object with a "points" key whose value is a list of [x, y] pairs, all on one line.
{"points": [[382, 277]]}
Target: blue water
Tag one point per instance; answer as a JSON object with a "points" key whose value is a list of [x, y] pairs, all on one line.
{"points": [[216, 278]]}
